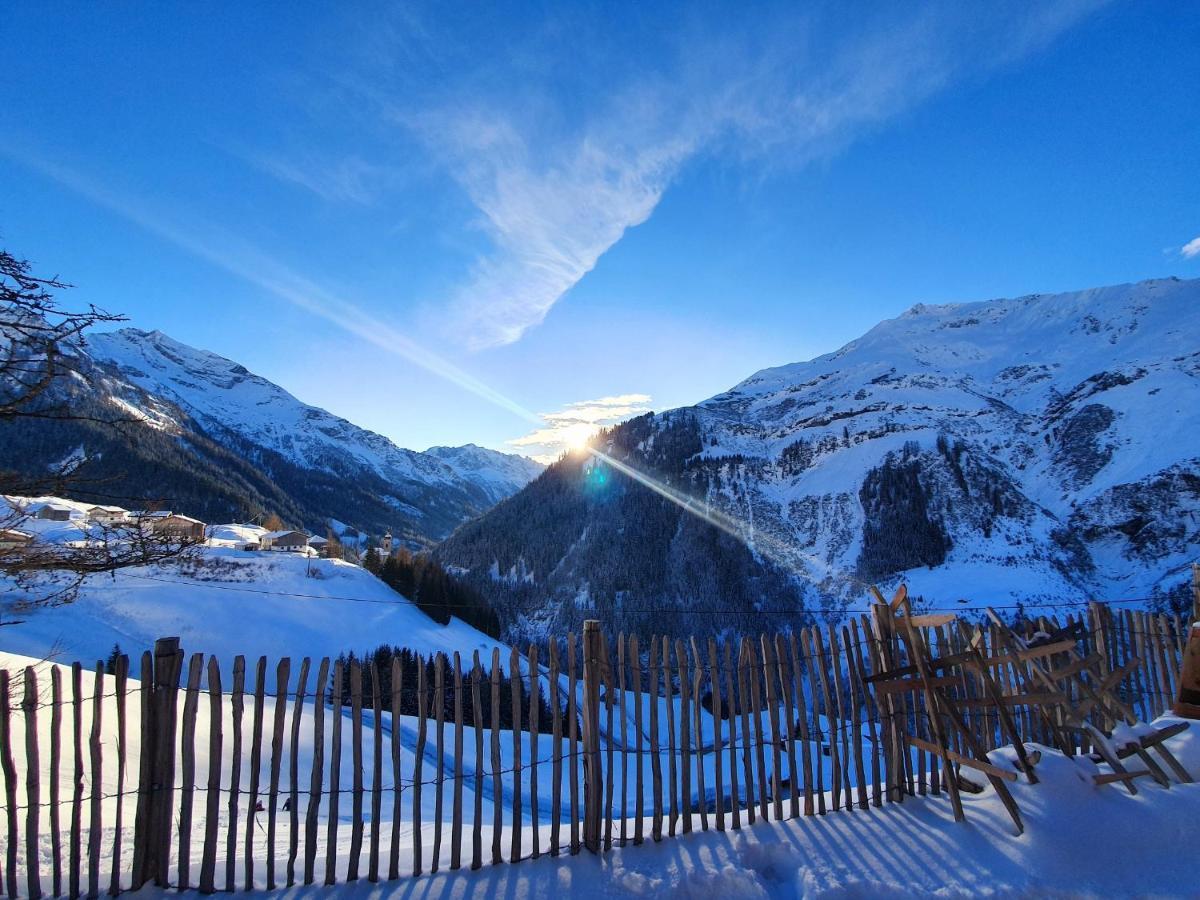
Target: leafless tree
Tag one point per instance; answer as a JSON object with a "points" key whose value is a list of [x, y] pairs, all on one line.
{"points": [[39, 343]]}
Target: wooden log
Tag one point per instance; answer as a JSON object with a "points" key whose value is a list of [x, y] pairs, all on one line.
{"points": [[801, 715], [237, 708], [335, 772], [556, 767], [685, 736], [770, 678], [573, 740], [818, 733], [714, 686], [787, 699], [624, 741], [33, 785], [439, 719], [497, 785], [168, 664], [857, 707], [316, 780], [672, 765], [1124, 777], [260, 686], [397, 707], [656, 788], [294, 771], [95, 820], [743, 664], [697, 721], [56, 705], [418, 770], [10, 787], [376, 771], [514, 684], [932, 620], [77, 783], [279, 720], [535, 710], [978, 764], [639, 802], [735, 802], [121, 679], [457, 806], [606, 675], [212, 799], [356, 757], [477, 714], [187, 757]]}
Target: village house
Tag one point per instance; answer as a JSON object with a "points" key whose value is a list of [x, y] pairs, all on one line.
{"points": [[57, 513], [172, 524], [320, 544], [12, 539], [108, 515], [285, 541]]}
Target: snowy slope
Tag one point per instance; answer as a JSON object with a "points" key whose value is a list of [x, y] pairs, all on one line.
{"points": [[1025, 449]]}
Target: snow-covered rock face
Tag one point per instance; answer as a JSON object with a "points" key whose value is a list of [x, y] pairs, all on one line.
{"points": [[301, 461], [1042, 447]]}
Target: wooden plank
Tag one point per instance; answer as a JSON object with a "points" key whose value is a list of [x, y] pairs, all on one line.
{"points": [[1124, 777], [187, 758], [817, 734], [802, 722], [237, 705], [978, 764], [624, 742], [835, 671], [672, 770], [497, 786], [337, 691], [930, 620], [606, 674], [96, 784], [904, 685], [10, 786], [874, 713], [397, 708], [376, 769], [56, 705], [656, 789], [514, 684], [168, 664], [260, 682], [754, 671], [714, 687], [316, 780], [356, 757], [121, 677], [734, 794], [1028, 653], [477, 720], [770, 673], [556, 733], [457, 806], [697, 720], [33, 784], [639, 801], [77, 784], [788, 700], [743, 664], [439, 718], [573, 740], [294, 771], [212, 799], [857, 706], [835, 774], [685, 735], [593, 801], [418, 769], [282, 679], [534, 715]]}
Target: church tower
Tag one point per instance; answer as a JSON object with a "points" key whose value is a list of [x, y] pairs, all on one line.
{"points": [[385, 546]]}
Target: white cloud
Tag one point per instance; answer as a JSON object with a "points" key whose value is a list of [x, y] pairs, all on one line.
{"points": [[553, 199], [1191, 249], [572, 426], [349, 180]]}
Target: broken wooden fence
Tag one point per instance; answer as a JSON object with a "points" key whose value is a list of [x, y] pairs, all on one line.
{"points": [[197, 777]]}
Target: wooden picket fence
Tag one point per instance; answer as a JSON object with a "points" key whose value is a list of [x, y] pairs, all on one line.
{"points": [[648, 739]]}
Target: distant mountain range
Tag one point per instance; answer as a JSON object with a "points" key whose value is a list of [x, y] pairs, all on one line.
{"points": [[1019, 450], [217, 441]]}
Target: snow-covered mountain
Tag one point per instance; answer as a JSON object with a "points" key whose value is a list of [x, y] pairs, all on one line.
{"points": [[1029, 449], [198, 414]]}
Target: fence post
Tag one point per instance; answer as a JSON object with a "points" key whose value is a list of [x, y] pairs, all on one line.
{"points": [[1195, 592], [592, 785], [152, 838], [895, 740]]}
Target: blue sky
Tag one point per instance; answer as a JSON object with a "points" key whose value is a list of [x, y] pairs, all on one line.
{"points": [[451, 224]]}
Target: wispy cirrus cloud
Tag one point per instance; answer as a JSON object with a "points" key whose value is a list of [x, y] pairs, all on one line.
{"points": [[351, 179], [572, 426], [1191, 249]]}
